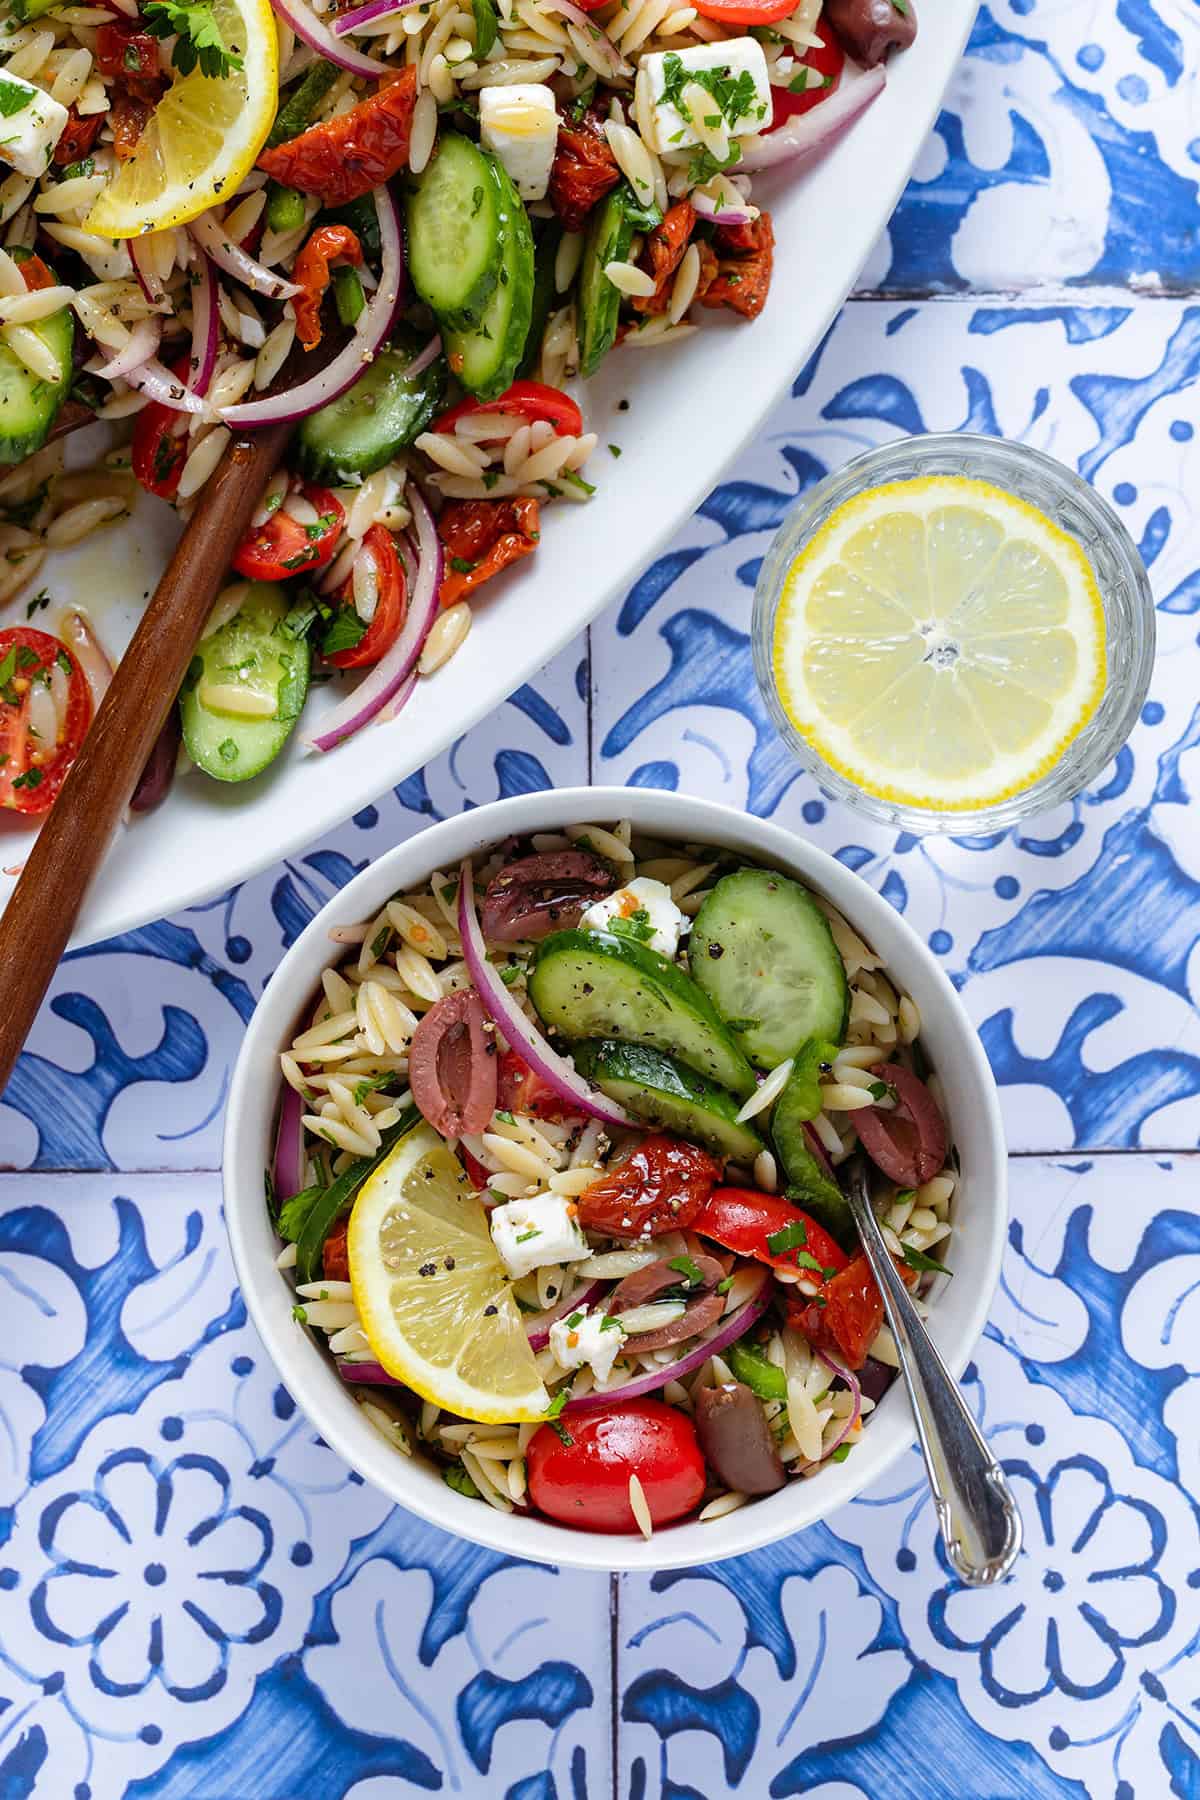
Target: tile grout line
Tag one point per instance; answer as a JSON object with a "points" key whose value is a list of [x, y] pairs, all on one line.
{"points": [[614, 1676]]}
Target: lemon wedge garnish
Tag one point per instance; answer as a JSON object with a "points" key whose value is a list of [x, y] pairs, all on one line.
{"points": [[432, 1295], [940, 643], [204, 136]]}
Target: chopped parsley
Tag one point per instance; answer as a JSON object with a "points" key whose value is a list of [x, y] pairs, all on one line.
{"points": [[198, 40], [300, 1316], [788, 1237], [723, 1287], [843, 1450], [556, 1405], [14, 97], [511, 973], [879, 1090], [636, 926], [916, 1259], [344, 632], [39, 602], [462, 565], [486, 26], [683, 1265], [736, 96], [614, 449], [32, 778], [808, 80], [575, 1319], [380, 941], [506, 1117], [523, 1237], [294, 1213]]}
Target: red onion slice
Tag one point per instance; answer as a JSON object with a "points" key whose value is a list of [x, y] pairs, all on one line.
{"points": [[212, 236], [160, 385], [851, 1381], [203, 357], [77, 631], [537, 1325], [316, 34], [143, 342], [598, 39], [370, 330], [147, 280], [429, 354], [384, 682], [732, 1328], [287, 1168], [371, 1374], [519, 1032], [722, 215], [358, 16], [812, 132]]}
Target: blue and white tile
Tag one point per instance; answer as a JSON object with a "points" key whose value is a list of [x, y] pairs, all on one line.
{"points": [[1073, 939], [189, 1574], [1066, 152]]}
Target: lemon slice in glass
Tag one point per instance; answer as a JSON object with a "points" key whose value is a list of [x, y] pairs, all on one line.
{"points": [[204, 136], [432, 1294], [940, 643]]}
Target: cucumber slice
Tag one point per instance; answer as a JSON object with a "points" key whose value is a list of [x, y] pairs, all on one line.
{"points": [[485, 358], [662, 1092], [255, 654], [544, 296], [384, 410], [456, 227], [609, 238], [762, 950], [591, 984], [28, 404]]}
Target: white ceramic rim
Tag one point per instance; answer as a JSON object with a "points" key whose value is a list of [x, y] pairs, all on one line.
{"points": [[972, 1103]]}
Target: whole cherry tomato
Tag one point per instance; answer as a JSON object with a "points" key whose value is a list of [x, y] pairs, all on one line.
{"points": [[282, 546], [660, 1186], [531, 400], [45, 710], [522, 1090], [828, 62], [352, 153], [160, 442], [579, 1467], [768, 1228], [391, 607]]}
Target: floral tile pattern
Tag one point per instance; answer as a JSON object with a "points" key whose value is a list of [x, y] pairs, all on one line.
{"points": [[200, 1602]]}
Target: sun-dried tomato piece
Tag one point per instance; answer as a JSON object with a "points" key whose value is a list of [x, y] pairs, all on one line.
{"points": [[743, 278], [335, 1260], [662, 254], [346, 157], [76, 137], [481, 538], [128, 117], [311, 274], [584, 170]]}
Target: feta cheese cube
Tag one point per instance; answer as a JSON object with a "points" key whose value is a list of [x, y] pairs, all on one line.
{"points": [[663, 921], [31, 123], [531, 1234], [742, 113], [519, 125], [587, 1337]]}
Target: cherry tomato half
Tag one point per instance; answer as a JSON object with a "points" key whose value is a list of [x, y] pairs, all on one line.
{"points": [[522, 1090], [45, 710], [531, 400], [768, 1228], [827, 62], [579, 1467], [660, 1186], [160, 442], [391, 607], [282, 546], [745, 12]]}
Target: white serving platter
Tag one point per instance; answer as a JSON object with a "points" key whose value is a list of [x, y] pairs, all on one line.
{"points": [[691, 408]]}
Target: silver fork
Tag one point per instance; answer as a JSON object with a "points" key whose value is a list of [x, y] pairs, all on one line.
{"points": [[980, 1524]]}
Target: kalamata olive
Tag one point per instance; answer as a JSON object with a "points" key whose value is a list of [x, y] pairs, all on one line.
{"points": [[536, 895], [647, 1284], [875, 1378], [908, 1142], [736, 1439], [155, 779], [697, 1316], [868, 29], [452, 1066]]}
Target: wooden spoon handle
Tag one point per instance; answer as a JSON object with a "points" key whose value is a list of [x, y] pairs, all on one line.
{"points": [[37, 923]]}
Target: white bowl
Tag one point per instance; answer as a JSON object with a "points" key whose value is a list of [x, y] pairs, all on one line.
{"points": [[980, 1205]]}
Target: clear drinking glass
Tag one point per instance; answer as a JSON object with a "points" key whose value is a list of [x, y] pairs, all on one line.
{"points": [[1075, 508]]}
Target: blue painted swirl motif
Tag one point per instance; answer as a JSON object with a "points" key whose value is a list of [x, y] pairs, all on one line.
{"points": [[200, 1600]]}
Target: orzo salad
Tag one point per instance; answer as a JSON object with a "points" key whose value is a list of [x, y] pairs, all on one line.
{"points": [[403, 225], [556, 1175]]}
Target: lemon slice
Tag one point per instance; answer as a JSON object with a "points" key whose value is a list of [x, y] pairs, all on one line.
{"points": [[940, 643], [432, 1294], [204, 136]]}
